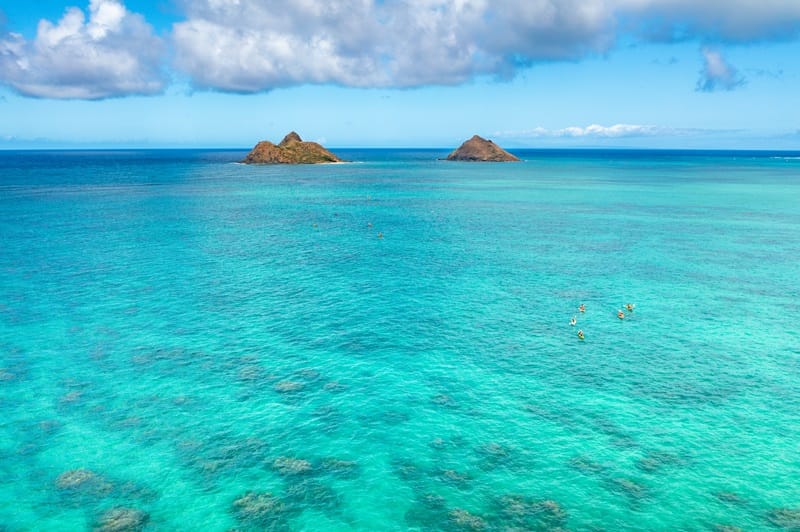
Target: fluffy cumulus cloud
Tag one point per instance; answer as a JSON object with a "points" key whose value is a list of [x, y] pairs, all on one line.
{"points": [[113, 53], [255, 45], [717, 73], [245, 46]]}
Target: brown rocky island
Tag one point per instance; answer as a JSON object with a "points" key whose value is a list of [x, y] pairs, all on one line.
{"points": [[480, 149], [291, 150]]}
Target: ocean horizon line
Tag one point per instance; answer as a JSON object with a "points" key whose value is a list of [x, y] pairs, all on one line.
{"points": [[572, 149]]}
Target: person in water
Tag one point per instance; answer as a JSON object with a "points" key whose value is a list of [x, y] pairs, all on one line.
{"points": [[582, 308], [573, 321], [630, 306], [580, 335], [620, 315]]}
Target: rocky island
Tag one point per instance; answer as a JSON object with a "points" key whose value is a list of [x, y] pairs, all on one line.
{"points": [[480, 149], [291, 150]]}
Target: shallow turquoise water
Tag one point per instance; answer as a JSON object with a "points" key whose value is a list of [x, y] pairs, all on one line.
{"points": [[187, 331]]}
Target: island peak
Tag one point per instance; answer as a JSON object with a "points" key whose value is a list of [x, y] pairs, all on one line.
{"points": [[479, 149], [290, 137], [291, 150]]}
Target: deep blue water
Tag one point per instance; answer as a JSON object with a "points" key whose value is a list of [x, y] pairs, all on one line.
{"points": [[192, 344]]}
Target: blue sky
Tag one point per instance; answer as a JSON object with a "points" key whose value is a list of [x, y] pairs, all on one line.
{"points": [[527, 73]]}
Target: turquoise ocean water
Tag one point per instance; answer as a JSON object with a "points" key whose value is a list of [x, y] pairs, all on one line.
{"points": [[191, 344]]}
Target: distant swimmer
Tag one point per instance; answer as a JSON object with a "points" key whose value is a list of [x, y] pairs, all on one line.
{"points": [[380, 235], [573, 321], [630, 307], [369, 224], [580, 335], [582, 308], [620, 315]]}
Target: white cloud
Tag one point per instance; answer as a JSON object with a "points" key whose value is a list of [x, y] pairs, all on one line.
{"points": [[592, 131], [717, 73], [615, 131], [255, 45], [247, 46], [114, 53], [620, 135], [250, 46]]}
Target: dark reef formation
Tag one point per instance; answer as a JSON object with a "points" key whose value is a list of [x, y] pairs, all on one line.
{"points": [[480, 149], [291, 150], [122, 520]]}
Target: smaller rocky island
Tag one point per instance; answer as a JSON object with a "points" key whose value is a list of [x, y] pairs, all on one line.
{"points": [[480, 149], [291, 150]]}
